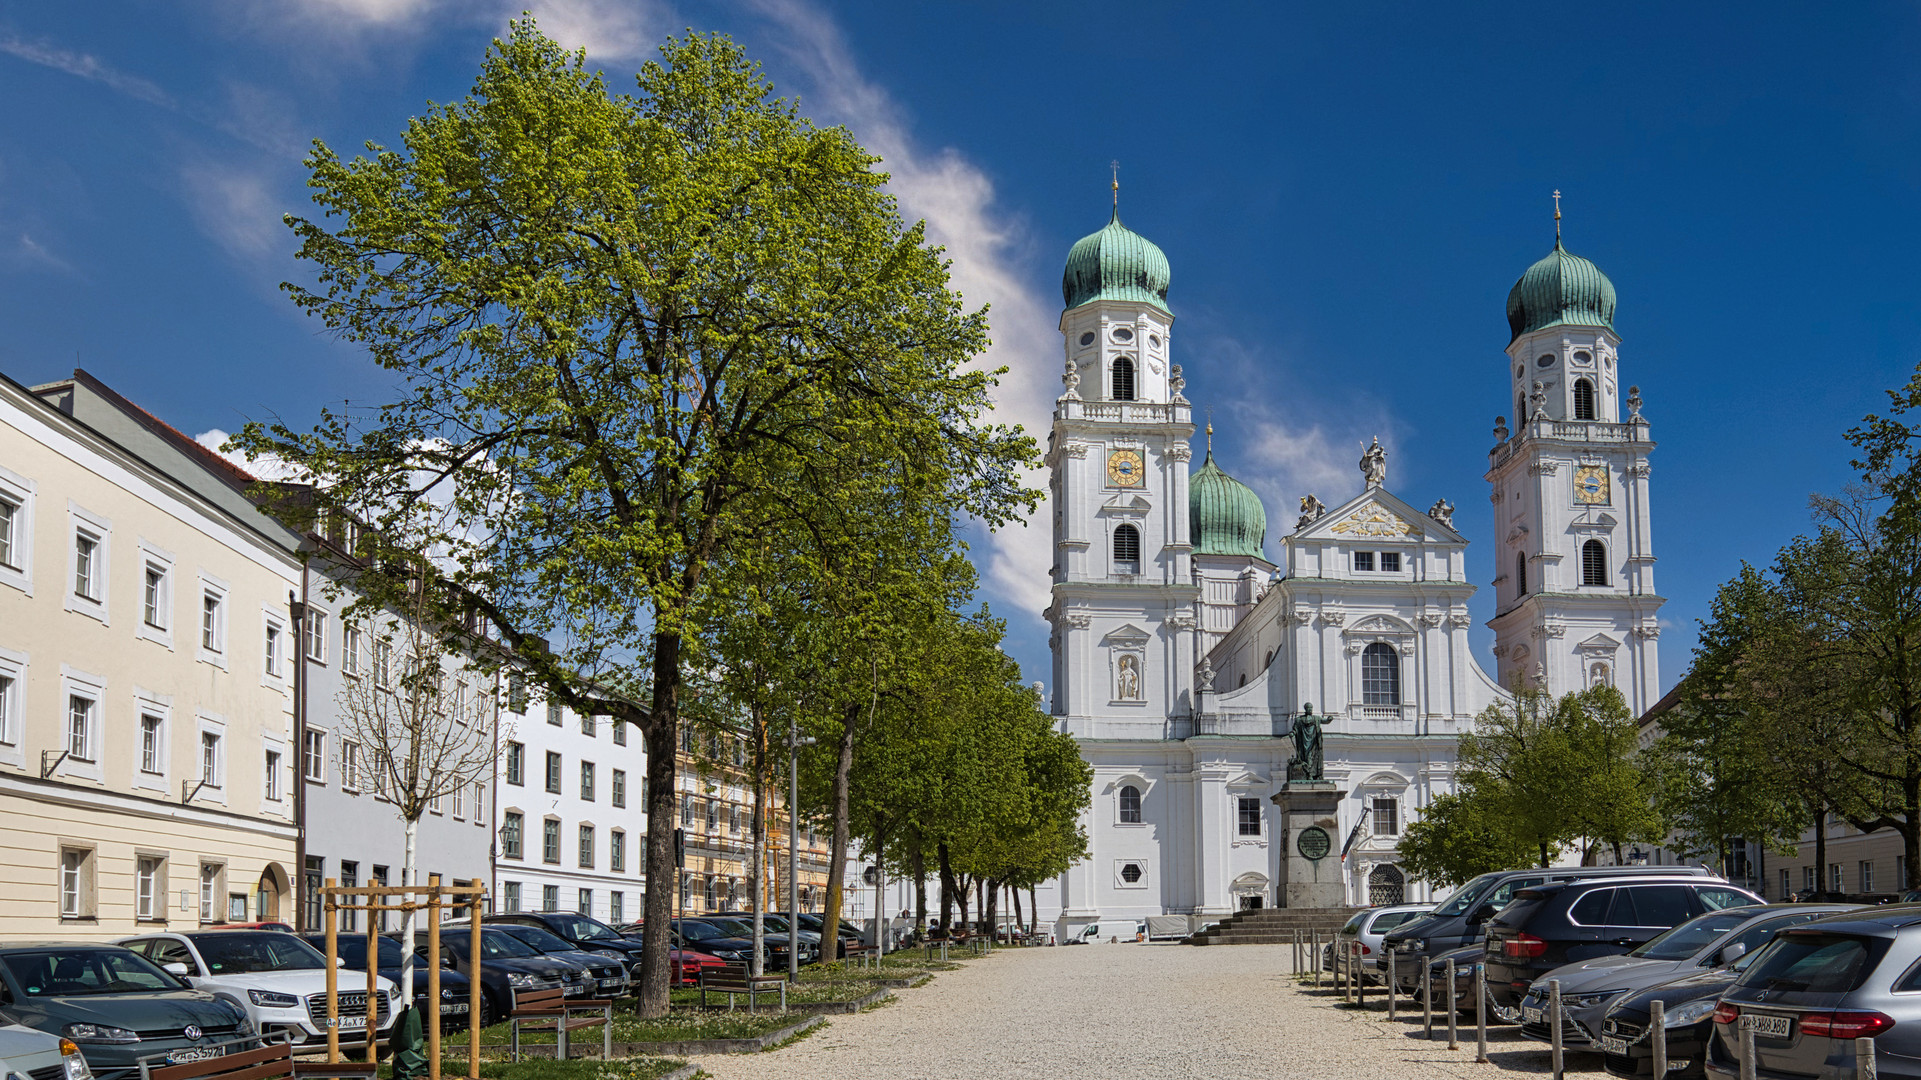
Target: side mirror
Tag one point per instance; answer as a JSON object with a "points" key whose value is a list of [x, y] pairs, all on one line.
{"points": [[176, 968], [340, 961], [1480, 914], [1733, 952]]}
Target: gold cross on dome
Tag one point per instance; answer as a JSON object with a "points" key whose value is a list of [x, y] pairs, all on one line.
{"points": [[1117, 182], [1557, 213]]}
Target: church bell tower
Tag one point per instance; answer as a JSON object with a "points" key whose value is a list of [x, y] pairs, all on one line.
{"points": [[1574, 574]]}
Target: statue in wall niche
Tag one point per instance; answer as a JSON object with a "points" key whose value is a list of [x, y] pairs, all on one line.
{"points": [[1374, 464], [1312, 510], [1443, 512], [1128, 674], [1307, 763]]}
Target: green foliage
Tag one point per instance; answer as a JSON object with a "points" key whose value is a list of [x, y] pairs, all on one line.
{"points": [[1457, 838]]}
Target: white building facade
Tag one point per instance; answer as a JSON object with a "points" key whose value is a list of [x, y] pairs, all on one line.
{"points": [[1182, 653]]}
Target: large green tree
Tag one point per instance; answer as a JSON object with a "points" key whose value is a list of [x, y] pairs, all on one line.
{"points": [[1458, 837], [621, 327]]}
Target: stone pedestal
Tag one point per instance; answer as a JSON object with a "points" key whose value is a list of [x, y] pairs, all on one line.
{"points": [[1311, 862]]}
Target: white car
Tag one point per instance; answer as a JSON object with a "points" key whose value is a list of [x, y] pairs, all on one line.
{"points": [[280, 980], [1370, 926], [36, 1055]]}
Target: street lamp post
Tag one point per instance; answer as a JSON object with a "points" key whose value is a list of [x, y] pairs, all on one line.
{"points": [[830, 936]]}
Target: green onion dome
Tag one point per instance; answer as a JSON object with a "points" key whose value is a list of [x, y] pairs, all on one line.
{"points": [[1116, 263], [1560, 290], [1224, 515]]}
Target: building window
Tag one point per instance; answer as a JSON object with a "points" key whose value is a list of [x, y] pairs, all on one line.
{"points": [[76, 883], [86, 565], [149, 887], [349, 764], [550, 842], [460, 800], [1132, 873], [587, 724], [313, 873], [80, 727], [1594, 563], [9, 710], [210, 759], [553, 713], [317, 636], [316, 756], [1364, 561], [1807, 878], [616, 907], [480, 803], [1127, 550], [150, 740], [510, 826], [1390, 562], [153, 606], [1520, 573], [550, 898], [1787, 885], [713, 815], [1380, 675], [1387, 816], [1900, 872], [712, 894], [212, 624], [1583, 399], [587, 781], [686, 892], [517, 693], [620, 734], [350, 649], [210, 889], [10, 517], [586, 847], [516, 762], [271, 767], [1250, 816], [619, 794], [272, 649], [383, 663], [686, 811], [378, 878], [510, 896], [553, 772], [1123, 379], [1130, 805], [617, 851], [1835, 883], [586, 903], [1867, 875]]}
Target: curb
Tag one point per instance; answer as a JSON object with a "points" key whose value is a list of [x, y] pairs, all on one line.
{"points": [[907, 984], [836, 1008]]}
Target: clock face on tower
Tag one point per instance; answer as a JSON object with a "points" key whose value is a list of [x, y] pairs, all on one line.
{"points": [[1591, 484], [1125, 469]]}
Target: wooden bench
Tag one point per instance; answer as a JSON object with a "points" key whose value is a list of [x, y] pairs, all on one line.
{"points": [[549, 1010], [863, 953], [274, 1061], [732, 979]]}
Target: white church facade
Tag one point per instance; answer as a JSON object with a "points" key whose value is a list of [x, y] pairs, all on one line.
{"points": [[1185, 643]]}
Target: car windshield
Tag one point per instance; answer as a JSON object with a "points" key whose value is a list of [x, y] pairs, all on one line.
{"points": [[1389, 920], [582, 928], [496, 945], [539, 939], [700, 931], [1692, 936], [734, 928], [67, 972], [1814, 962], [230, 952], [1354, 924], [1466, 895]]}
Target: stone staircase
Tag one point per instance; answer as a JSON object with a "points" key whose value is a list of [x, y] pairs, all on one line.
{"points": [[1272, 926]]}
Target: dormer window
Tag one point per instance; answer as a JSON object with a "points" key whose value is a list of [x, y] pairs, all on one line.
{"points": [[1123, 379]]}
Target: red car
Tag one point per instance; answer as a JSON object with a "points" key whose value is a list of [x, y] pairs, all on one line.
{"points": [[686, 963]]}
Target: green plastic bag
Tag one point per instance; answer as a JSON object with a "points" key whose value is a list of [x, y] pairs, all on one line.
{"points": [[410, 1047]]}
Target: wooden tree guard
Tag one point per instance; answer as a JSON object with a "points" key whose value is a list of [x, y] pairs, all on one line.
{"points": [[374, 901]]}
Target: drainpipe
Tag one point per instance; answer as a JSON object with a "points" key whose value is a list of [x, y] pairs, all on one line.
{"points": [[298, 609]]}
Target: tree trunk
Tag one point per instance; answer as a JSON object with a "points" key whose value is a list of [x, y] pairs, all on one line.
{"points": [[946, 889], [917, 861], [1544, 853], [409, 857], [661, 734], [990, 906], [837, 859], [1015, 895], [1034, 908], [758, 879], [1619, 859]]}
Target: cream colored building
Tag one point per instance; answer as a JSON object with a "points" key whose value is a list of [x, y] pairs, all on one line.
{"points": [[146, 676]]}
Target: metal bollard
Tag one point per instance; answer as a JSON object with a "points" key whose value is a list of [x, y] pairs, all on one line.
{"points": [[1453, 1008], [1554, 1025], [1360, 977], [1314, 945], [1864, 1068], [1658, 1037], [1295, 954], [1747, 1054], [1393, 991], [1480, 1013], [1427, 999]]}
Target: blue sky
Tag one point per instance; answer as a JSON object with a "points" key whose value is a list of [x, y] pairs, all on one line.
{"points": [[1345, 192]]}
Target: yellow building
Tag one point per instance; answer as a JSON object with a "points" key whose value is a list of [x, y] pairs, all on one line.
{"points": [[146, 675], [716, 802]]}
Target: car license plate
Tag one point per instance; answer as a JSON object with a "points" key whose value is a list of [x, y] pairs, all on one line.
{"points": [[609, 984], [457, 1007], [195, 1053], [1611, 1045], [1773, 1026], [349, 1023], [1532, 1016]]}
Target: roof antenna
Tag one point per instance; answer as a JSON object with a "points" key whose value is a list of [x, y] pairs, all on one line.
{"points": [[1557, 216]]}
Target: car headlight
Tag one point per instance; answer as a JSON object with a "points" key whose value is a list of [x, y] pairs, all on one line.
{"points": [[267, 999], [523, 982], [1414, 945], [99, 1033], [1690, 1013], [74, 1062]]}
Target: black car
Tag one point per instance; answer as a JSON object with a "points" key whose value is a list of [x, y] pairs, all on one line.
{"points": [[723, 938], [586, 933], [606, 972], [1561, 922], [455, 996], [526, 967], [1687, 1009]]}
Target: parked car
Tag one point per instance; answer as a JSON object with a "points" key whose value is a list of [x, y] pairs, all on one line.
{"points": [[723, 938], [1817, 988], [115, 1004], [684, 963], [1369, 926], [526, 967], [1462, 919], [778, 924], [1557, 923], [606, 972], [1687, 1013], [584, 932], [280, 980], [1463, 999], [455, 990], [1712, 940], [35, 1055]]}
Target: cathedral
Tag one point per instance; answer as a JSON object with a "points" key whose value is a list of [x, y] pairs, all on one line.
{"points": [[1186, 639]]}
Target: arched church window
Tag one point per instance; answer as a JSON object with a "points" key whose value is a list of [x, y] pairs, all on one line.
{"points": [[1130, 805], [1520, 409], [1386, 885], [1127, 550], [1380, 675], [1583, 399], [1520, 573], [1243, 681], [1265, 664], [1123, 379], [1594, 563]]}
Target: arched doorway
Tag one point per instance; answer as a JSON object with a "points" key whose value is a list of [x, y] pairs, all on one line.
{"points": [[1250, 891], [270, 893], [1385, 885]]}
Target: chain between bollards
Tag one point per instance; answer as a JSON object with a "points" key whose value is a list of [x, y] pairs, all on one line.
{"points": [[1658, 1036], [1427, 999], [1480, 1013], [1453, 1008], [1554, 1026]]}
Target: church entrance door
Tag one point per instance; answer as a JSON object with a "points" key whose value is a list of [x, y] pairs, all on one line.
{"points": [[1385, 885], [1250, 903]]}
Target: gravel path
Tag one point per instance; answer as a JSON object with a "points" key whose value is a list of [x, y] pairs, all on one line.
{"points": [[1140, 1011]]}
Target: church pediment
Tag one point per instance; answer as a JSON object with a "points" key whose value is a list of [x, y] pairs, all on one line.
{"points": [[1374, 520], [1381, 624], [1377, 514], [1126, 504], [1126, 634], [1250, 779], [1599, 643]]}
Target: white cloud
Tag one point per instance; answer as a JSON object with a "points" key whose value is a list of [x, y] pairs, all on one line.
{"points": [[990, 250], [607, 29], [262, 468], [235, 207], [610, 30], [30, 253], [85, 66]]}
